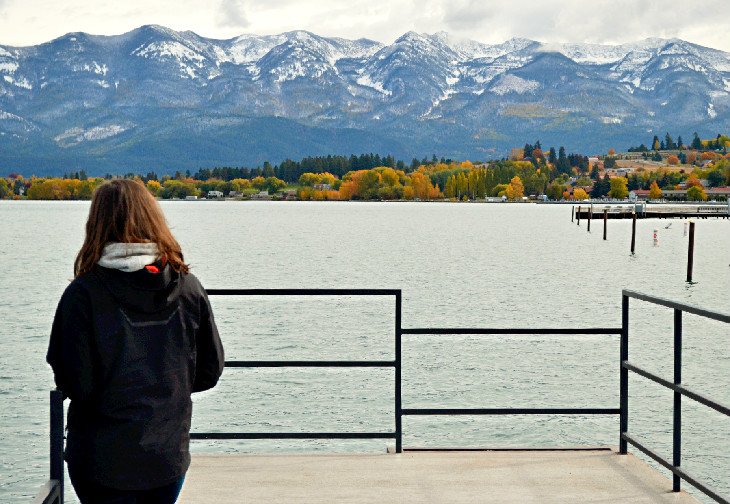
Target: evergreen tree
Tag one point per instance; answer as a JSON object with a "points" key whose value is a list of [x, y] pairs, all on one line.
{"points": [[552, 156], [680, 144], [655, 145], [563, 164], [696, 142], [668, 142]]}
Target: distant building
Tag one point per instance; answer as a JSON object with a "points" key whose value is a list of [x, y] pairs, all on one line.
{"points": [[289, 194], [263, 195], [191, 198], [214, 194], [713, 193], [322, 187]]}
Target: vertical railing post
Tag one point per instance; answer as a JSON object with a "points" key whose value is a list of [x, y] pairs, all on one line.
{"points": [[624, 385], [590, 217], [690, 251], [633, 232], [677, 441], [56, 452], [398, 362]]}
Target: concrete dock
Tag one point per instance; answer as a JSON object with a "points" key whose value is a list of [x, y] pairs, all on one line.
{"points": [[428, 477]]}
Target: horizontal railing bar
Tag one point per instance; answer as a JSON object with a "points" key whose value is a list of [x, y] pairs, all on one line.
{"points": [[302, 292], [49, 493], [292, 435], [675, 470], [293, 363], [511, 411], [722, 317], [511, 449], [647, 374], [720, 408], [501, 330]]}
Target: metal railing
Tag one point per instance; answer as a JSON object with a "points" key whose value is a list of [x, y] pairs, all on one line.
{"points": [[398, 409], [675, 385], [397, 434], [52, 491]]}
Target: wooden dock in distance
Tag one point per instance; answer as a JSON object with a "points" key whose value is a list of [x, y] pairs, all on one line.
{"points": [[429, 478], [650, 211]]}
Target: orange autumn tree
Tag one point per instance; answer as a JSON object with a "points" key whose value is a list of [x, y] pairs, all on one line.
{"points": [[422, 187], [693, 181]]}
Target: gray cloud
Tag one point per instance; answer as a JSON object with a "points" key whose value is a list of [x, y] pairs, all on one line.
{"points": [[467, 15], [232, 13]]}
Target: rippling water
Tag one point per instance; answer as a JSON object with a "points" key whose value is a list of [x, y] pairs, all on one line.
{"points": [[469, 265]]}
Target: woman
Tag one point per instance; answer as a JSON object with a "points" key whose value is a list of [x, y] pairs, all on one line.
{"points": [[132, 338]]}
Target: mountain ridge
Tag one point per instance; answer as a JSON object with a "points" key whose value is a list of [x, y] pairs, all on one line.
{"points": [[97, 102]]}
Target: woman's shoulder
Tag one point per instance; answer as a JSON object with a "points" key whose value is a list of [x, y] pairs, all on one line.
{"points": [[191, 284], [77, 292]]}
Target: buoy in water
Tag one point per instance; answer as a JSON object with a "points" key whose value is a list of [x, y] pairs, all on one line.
{"points": [[656, 239]]}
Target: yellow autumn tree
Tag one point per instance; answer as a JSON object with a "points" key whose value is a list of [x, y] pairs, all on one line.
{"points": [[515, 189], [654, 191], [240, 184], [619, 188], [154, 187], [580, 194]]}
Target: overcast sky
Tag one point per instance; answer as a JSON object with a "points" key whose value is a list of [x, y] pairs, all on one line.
{"points": [[28, 22]]}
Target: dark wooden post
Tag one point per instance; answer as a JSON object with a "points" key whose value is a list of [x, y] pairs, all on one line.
{"points": [[572, 213], [633, 232], [690, 251], [590, 216], [605, 222], [579, 216]]}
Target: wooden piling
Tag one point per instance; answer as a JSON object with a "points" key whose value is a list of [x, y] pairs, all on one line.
{"points": [[690, 251], [633, 233], [605, 223], [590, 216], [572, 213], [578, 216]]}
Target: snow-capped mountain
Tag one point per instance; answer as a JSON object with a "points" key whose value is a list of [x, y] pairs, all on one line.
{"points": [[155, 97]]}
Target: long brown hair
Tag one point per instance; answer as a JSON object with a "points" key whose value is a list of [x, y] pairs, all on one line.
{"points": [[124, 211]]}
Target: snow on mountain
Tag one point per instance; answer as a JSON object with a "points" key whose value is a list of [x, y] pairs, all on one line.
{"points": [[513, 84], [421, 91], [76, 135]]}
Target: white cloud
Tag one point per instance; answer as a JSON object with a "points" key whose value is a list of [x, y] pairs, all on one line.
{"points": [[26, 22]]}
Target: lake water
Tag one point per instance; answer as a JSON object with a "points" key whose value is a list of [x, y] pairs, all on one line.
{"points": [[469, 265]]}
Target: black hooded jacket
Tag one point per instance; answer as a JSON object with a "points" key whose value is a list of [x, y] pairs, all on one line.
{"points": [[128, 349]]}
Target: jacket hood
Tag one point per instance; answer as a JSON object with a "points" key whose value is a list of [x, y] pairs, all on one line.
{"points": [[142, 290]]}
